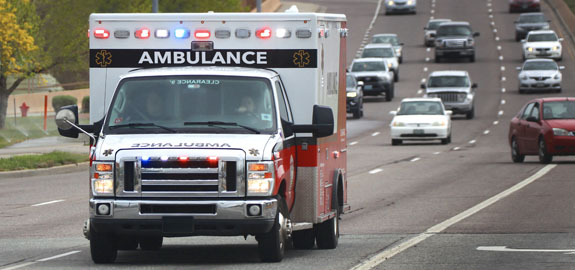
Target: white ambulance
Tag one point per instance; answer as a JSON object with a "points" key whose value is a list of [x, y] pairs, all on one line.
{"points": [[224, 124]]}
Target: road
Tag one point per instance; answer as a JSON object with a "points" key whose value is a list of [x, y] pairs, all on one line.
{"points": [[415, 206]]}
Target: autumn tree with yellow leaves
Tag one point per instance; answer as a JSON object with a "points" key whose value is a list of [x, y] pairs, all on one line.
{"points": [[18, 25]]}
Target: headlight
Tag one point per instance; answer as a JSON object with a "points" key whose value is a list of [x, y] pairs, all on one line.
{"points": [[391, 3], [103, 178], [470, 42], [260, 179], [351, 94], [469, 97], [398, 124], [557, 76], [524, 77], [410, 2], [389, 65], [556, 48], [398, 51], [529, 49], [438, 124], [560, 132]]}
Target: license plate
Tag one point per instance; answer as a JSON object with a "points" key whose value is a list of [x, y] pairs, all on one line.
{"points": [[539, 85], [178, 224], [418, 131], [367, 87]]}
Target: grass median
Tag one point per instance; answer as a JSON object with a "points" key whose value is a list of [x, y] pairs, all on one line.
{"points": [[571, 4], [27, 162]]}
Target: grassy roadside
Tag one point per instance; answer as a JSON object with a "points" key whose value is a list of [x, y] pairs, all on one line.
{"points": [[571, 4], [26, 162]]}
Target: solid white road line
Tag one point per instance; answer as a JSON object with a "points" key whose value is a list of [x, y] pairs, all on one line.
{"points": [[389, 253], [374, 171], [59, 256], [506, 249], [50, 202]]}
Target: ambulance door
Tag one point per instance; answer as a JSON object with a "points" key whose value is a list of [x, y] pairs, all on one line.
{"points": [[285, 157]]}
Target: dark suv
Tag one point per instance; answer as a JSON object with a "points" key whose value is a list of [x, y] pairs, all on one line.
{"points": [[455, 39], [530, 22]]}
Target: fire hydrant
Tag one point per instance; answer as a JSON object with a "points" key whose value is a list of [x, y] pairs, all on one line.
{"points": [[24, 109]]}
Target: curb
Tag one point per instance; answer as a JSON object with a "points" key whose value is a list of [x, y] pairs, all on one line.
{"points": [[43, 171]]}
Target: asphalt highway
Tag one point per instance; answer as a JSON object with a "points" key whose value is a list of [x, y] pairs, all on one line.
{"points": [[464, 205]]}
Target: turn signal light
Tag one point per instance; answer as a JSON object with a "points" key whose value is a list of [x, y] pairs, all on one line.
{"points": [[257, 167]]}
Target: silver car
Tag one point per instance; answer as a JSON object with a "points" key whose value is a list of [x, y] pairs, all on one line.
{"points": [[430, 28], [375, 75], [455, 90], [400, 6], [540, 74], [392, 39], [386, 52]]}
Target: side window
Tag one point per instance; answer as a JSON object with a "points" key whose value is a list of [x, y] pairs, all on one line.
{"points": [[284, 113], [535, 111], [527, 110]]}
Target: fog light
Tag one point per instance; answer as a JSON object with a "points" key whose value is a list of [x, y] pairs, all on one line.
{"points": [[254, 210], [103, 209]]}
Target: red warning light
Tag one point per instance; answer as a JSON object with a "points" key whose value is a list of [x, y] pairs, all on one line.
{"points": [[264, 32], [101, 33], [202, 34], [142, 33]]}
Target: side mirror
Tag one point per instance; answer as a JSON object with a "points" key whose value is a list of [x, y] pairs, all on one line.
{"points": [[393, 112], [422, 85], [518, 68], [561, 39], [561, 67], [474, 85], [532, 119], [523, 41], [360, 83], [322, 123], [66, 118], [67, 123], [449, 112], [476, 34]]}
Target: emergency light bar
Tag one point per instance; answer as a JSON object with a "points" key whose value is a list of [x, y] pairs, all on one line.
{"points": [[142, 33], [101, 33], [183, 33], [202, 34]]}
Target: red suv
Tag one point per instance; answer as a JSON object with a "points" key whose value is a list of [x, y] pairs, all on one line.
{"points": [[544, 127], [524, 5]]}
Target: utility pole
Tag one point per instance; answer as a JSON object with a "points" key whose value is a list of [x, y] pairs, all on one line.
{"points": [[155, 6], [259, 5]]}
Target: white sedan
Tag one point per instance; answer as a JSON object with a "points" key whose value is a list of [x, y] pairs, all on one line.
{"points": [[542, 44], [421, 119]]}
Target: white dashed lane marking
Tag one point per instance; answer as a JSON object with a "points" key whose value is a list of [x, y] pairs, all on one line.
{"points": [[375, 134], [352, 143], [374, 171]]}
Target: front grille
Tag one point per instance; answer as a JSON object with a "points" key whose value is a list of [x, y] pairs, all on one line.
{"points": [[540, 78], [177, 209], [156, 176], [543, 50], [455, 43], [451, 96], [368, 79]]}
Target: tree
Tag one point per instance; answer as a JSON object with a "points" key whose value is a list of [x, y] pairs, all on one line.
{"points": [[18, 50]]}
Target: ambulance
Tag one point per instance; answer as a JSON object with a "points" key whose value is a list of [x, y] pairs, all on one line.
{"points": [[215, 124]]}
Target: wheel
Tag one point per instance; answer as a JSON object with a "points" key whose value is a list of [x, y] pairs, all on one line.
{"points": [[515, 155], [361, 106], [151, 242], [400, 59], [521, 91], [446, 140], [103, 247], [396, 76], [470, 114], [390, 93], [271, 245], [327, 232], [357, 113], [517, 37], [472, 58], [544, 157], [304, 239], [437, 59], [396, 142], [127, 243]]}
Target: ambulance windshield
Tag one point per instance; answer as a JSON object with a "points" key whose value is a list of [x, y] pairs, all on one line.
{"points": [[213, 104]]}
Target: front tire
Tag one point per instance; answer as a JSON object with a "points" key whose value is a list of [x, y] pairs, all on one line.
{"points": [[327, 233], [515, 155], [472, 58], [470, 114], [390, 92], [544, 156], [271, 245], [103, 247], [446, 140]]}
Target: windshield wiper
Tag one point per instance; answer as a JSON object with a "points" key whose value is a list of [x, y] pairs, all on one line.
{"points": [[137, 125], [220, 123]]}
